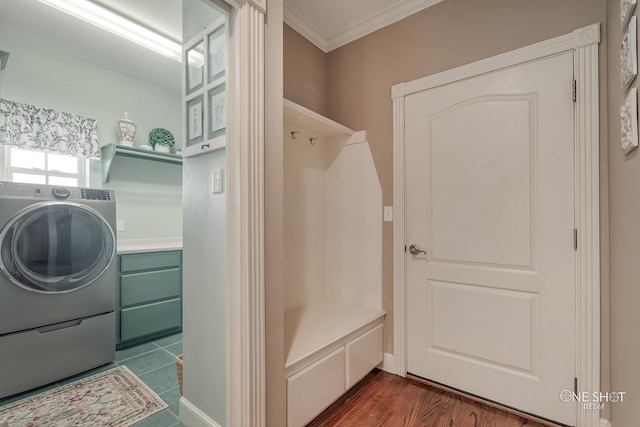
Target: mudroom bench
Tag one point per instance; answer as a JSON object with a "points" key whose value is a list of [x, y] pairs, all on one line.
{"points": [[331, 346]]}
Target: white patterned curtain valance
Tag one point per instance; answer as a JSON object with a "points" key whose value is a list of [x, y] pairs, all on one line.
{"points": [[44, 129]]}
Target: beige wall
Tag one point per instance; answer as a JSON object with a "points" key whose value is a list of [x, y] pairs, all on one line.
{"points": [[274, 217], [359, 77], [305, 72], [624, 194]]}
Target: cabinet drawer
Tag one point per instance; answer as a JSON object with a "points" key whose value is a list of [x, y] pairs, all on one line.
{"points": [[147, 319], [363, 354], [313, 389], [149, 286], [149, 261]]}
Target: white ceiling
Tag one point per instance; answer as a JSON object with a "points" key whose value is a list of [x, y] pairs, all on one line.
{"points": [[326, 23], [61, 33], [164, 16], [330, 24]]}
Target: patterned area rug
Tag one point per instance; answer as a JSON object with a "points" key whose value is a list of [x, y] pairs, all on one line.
{"points": [[112, 398]]}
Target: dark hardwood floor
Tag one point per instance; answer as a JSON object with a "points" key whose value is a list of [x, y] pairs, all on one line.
{"points": [[383, 399]]}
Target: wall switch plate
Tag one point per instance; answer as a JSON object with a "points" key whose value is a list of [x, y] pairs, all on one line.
{"points": [[120, 225], [216, 180], [388, 213]]}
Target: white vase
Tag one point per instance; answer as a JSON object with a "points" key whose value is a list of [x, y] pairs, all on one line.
{"points": [[162, 148]]}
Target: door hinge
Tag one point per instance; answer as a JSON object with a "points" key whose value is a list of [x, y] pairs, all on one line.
{"points": [[575, 385], [405, 248], [575, 239], [575, 90]]}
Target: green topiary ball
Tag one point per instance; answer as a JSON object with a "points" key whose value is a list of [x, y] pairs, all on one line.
{"points": [[161, 136]]}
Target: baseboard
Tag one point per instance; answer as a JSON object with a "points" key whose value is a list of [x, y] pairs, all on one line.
{"points": [[605, 423], [191, 416], [389, 364]]}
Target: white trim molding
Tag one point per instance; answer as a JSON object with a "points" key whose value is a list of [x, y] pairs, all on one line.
{"points": [[399, 287], [605, 423], [583, 42], [246, 384], [389, 363], [191, 416], [375, 21]]}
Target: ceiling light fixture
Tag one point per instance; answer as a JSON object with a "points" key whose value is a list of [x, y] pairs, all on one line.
{"points": [[119, 25]]}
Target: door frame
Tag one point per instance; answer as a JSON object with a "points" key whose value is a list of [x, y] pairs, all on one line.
{"points": [[583, 42]]}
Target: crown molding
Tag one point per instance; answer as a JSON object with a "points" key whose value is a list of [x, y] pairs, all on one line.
{"points": [[329, 42], [305, 28]]}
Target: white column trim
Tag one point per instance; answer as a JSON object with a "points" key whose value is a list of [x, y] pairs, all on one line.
{"points": [[246, 386], [587, 222], [399, 294], [584, 43]]}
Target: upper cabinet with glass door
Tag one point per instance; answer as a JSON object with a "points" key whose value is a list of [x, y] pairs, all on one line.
{"points": [[204, 89]]}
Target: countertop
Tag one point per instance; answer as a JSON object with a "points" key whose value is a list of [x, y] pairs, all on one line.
{"points": [[132, 246]]}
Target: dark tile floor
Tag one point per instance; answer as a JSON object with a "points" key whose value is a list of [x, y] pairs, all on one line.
{"points": [[154, 363]]}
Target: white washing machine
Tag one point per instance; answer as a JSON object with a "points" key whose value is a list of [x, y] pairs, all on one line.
{"points": [[57, 283]]}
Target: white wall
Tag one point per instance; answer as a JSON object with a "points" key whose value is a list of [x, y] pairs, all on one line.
{"points": [[354, 226], [332, 220], [305, 218], [204, 288], [204, 269]]}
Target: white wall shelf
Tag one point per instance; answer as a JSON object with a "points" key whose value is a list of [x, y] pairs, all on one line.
{"points": [[298, 115], [111, 151]]}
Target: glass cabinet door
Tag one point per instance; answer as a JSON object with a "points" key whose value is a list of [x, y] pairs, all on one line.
{"points": [[205, 73]]}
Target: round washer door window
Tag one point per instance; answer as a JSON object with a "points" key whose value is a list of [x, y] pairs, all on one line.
{"points": [[56, 247]]}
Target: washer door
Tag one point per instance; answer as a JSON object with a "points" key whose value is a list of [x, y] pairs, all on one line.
{"points": [[56, 247]]}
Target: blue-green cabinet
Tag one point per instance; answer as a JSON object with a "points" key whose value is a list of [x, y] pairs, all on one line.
{"points": [[149, 295]]}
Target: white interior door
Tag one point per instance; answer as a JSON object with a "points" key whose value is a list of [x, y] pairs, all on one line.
{"points": [[490, 198]]}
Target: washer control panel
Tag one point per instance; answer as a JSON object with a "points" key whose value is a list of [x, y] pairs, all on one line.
{"points": [[89, 194], [54, 192]]}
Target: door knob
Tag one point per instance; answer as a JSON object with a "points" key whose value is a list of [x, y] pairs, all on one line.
{"points": [[415, 250]]}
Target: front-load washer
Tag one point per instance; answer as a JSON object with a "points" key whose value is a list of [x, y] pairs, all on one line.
{"points": [[57, 283]]}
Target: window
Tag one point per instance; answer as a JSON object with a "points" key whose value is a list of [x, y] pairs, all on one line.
{"points": [[36, 167]]}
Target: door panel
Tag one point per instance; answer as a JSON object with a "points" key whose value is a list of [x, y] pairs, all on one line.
{"points": [[462, 332], [503, 236], [490, 195]]}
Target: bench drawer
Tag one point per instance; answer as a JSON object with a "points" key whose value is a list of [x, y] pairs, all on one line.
{"points": [[313, 389], [364, 353]]}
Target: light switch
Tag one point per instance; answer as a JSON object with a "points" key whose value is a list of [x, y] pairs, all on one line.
{"points": [[388, 213], [217, 178], [120, 225]]}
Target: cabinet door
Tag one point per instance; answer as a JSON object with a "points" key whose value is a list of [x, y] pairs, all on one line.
{"points": [[136, 322], [149, 294], [205, 92]]}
